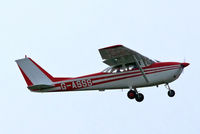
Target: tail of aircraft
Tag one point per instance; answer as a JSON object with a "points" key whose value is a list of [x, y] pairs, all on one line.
{"points": [[35, 76], [33, 73]]}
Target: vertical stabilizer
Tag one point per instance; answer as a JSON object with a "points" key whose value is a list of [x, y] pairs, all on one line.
{"points": [[33, 73]]}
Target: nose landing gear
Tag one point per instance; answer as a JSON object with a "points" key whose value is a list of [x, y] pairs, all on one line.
{"points": [[171, 93], [133, 94]]}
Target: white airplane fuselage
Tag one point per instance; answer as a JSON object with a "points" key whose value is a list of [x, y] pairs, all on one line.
{"points": [[157, 73]]}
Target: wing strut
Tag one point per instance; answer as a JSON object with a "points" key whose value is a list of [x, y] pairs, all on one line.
{"points": [[142, 71]]}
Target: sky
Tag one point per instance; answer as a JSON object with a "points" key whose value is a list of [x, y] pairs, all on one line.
{"points": [[64, 36]]}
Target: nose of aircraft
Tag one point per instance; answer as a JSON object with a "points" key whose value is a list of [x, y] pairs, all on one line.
{"points": [[185, 64]]}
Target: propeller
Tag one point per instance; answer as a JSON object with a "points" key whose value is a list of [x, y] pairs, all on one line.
{"points": [[184, 64], [183, 67]]}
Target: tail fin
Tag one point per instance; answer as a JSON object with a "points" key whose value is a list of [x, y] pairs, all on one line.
{"points": [[33, 73]]}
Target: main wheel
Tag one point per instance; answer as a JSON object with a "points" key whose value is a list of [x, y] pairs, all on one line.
{"points": [[171, 93], [131, 94], [139, 97]]}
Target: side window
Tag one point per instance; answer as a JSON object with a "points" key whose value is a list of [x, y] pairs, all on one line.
{"points": [[118, 69], [131, 66], [114, 70], [122, 69]]}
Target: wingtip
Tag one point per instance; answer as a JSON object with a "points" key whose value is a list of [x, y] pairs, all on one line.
{"points": [[119, 45]]}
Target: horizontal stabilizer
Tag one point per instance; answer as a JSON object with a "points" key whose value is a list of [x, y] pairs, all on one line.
{"points": [[39, 87]]}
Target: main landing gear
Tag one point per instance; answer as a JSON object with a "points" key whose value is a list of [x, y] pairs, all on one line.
{"points": [[171, 93], [139, 97], [133, 94]]}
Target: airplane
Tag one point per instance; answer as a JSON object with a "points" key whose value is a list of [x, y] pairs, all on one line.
{"points": [[127, 69]]}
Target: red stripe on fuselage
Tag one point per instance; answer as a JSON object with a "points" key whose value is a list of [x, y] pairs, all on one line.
{"points": [[156, 67], [126, 77], [91, 75], [117, 79], [97, 76], [153, 66], [133, 74], [136, 71]]}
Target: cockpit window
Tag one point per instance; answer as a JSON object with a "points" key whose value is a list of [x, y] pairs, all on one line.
{"points": [[118, 69]]}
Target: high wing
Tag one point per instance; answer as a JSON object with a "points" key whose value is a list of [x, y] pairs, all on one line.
{"points": [[121, 55]]}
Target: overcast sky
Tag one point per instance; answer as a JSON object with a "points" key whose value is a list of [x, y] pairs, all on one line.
{"points": [[64, 36]]}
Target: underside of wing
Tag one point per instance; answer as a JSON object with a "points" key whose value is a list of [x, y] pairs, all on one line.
{"points": [[121, 55]]}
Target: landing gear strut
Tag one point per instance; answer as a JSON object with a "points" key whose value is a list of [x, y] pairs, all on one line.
{"points": [[171, 93], [133, 94]]}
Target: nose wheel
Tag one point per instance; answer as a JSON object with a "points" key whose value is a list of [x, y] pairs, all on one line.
{"points": [[133, 94], [171, 93]]}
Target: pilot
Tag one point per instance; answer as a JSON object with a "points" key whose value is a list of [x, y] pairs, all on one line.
{"points": [[134, 66], [118, 70]]}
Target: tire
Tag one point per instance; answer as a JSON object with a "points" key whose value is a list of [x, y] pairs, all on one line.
{"points": [[171, 93], [131, 94], [139, 97]]}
